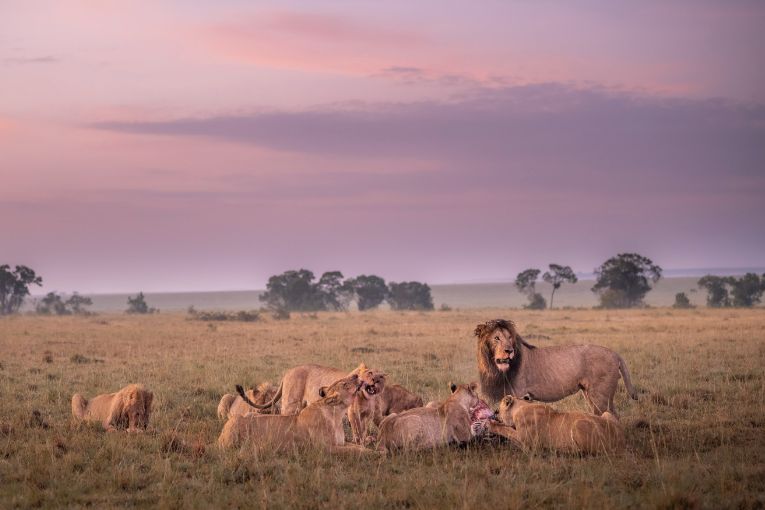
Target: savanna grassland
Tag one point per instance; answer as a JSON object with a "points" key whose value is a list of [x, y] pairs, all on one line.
{"points": [[695, 438]]}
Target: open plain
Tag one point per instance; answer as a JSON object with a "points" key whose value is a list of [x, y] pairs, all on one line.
{"points": [[695, 438]]}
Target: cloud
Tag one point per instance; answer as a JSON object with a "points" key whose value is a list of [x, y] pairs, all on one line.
{"points": [[529, 136], [30, 60]]}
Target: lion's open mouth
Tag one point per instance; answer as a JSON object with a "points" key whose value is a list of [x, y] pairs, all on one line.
{"points": [[371, 390], [503, 363]]}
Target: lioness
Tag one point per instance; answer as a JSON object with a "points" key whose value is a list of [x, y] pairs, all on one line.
{"points": [[429, 427], [534, 425], [129, 407], [508, 365], [375, 401], [232, 404], [300, 386], [318, 424]]}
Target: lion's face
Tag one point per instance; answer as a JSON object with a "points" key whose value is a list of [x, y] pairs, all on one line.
{"points": [[373, 383], [138, 408], [502, 346], [341, 391], [467, 394]]}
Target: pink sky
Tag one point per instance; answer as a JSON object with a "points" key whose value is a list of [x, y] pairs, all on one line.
{"points": [[198, 145]]}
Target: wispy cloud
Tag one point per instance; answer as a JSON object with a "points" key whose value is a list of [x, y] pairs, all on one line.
{"points": [[529, 135], [30, 60]]}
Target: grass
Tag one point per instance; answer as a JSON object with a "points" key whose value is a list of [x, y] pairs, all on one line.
{"points": [[696, 437]]}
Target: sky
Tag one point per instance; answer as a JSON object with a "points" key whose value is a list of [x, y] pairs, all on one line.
{"points": [[203, 145]]}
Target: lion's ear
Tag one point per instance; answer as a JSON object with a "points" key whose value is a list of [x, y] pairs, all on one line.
{"points": [[453, 387], [527, 397], [323, 391], [480, 330], [474, 386]]}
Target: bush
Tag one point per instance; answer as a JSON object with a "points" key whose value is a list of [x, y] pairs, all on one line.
{"points": [[137, 305], [536, 302], [682, 301], [241, 316]]}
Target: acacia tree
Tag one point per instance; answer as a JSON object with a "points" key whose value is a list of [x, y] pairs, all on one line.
{"points": [[717, 290], [410, 296], [556, 276], [52, 303], [370, 290], [747, 290], [333, 292], [526, 282], [14, 287], [623, 281]]}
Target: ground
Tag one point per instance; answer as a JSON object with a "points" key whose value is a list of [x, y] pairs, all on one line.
{"points": [[695, 438]]}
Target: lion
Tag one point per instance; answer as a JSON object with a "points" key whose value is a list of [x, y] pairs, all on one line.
{"points": [[319, 424], [429, 427], [232, 404], [534, 425], [300, 386], [129, 407], [375, 401], [508, 365]]}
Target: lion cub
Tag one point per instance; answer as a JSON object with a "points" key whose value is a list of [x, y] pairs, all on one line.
{"points": [[375, 401], [428, 427], [231, 404], [320, 423], [129, 407], [535, 425]]}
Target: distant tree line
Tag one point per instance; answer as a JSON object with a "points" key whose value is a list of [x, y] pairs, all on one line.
{"points": [[723, 291], [299, 291], [620, 282]]}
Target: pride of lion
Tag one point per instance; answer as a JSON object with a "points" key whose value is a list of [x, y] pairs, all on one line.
{"points": [[312, 402]]}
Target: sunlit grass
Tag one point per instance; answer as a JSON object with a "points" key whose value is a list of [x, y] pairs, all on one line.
{"points": [[696, 436]]}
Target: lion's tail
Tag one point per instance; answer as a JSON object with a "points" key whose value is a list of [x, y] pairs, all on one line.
{"points": [[79, 403], [267, 405], [626, 377], [225, 405]]}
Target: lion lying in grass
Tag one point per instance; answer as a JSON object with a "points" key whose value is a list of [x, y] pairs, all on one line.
{"points": [[509, 366], [320, 424], [300, 386], [534, 425], [428, 427], [129, 407], [231, 404], [375, 401]]}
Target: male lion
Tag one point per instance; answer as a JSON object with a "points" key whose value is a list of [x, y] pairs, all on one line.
{"points": [[232, 404], [130, 406], [428, 427], [376, 401], [319, 424], [300, 386], [509, 366], [535, 425]]}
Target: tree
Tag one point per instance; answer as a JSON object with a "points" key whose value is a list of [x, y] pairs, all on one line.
{"points": [[334, 293], [623, 281], [77, 304], [52, 303], [292, 291], [682, 301], [747, 290], [370, 291], [410, 296], [14, 287], [556, 276], [138, 305], [526, 282], [717, 290]]}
